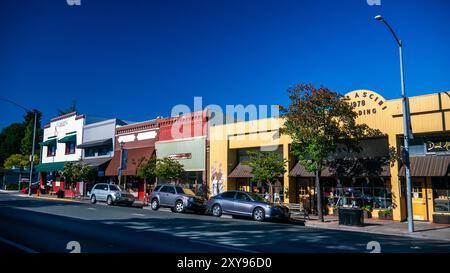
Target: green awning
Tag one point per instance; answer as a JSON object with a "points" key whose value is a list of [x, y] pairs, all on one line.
{"points": [[70, 138], [50, 167], [48, 142]]}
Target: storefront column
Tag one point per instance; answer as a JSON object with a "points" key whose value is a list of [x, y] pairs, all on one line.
{"points": [[286, 189], [399, 210], [429, 198]]}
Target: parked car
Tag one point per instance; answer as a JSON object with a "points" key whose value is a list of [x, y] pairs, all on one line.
{"points": [[177, 198], [240, 203], [112, 194]]}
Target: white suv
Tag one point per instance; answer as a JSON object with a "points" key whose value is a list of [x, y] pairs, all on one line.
{"points": [[112, 194]]}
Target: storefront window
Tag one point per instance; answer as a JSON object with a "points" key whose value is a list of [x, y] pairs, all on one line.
{"points": [[441, 194], [374, 192]]}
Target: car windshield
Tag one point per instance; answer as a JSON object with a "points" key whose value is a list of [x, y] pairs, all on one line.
{"points": [[114, 188], [256, 197], [185, 191]]}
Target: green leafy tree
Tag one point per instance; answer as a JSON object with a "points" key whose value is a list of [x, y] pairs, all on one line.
{"points": [[169, 169], [146, 168], [77, 171], [27, 139], [267, 167], [10, 140], [318, 120], [16, 160]]}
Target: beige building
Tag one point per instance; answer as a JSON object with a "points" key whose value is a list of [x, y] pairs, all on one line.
{"points": [[369, 179]]}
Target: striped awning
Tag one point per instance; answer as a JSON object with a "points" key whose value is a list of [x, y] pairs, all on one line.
{"points": [[428, 166]]}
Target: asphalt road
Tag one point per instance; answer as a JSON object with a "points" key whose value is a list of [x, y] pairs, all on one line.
{"points": [[36, 225]]}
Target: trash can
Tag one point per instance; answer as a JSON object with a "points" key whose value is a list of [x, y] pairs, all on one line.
{"points": [[60, 194], [351, 217]]}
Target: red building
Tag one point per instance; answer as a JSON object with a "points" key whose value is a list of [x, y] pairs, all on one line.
{"points": [[137, 142]]}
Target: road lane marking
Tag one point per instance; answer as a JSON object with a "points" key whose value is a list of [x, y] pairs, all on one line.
{"points": [[92, 208], [138, 214], [19, 246]]}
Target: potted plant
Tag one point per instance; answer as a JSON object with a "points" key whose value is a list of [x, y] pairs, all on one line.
{"points": [[385, 214], [367, 210], [335, 209]]}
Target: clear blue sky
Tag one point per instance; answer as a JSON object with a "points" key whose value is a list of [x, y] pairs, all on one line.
{"points": [[136, 59]]}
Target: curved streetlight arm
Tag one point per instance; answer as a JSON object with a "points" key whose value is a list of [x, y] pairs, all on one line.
{"points": [[16, 104], [399, 42]]}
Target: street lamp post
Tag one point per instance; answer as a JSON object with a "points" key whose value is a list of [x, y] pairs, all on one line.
{"points": [[33, 144], [406, 124], [120, 166]]}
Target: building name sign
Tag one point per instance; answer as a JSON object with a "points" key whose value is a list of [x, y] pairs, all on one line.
{"points": [[61, 123], [366, 102], [180, 156], [433, 147]]}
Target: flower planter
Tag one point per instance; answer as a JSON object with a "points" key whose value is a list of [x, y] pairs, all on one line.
{"points": [[385, 217]]}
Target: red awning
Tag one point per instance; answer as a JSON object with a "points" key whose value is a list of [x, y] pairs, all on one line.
{"points": [[133, 160]]}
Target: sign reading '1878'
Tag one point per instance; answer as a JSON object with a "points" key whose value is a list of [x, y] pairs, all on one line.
{"points": [[366, 102]]}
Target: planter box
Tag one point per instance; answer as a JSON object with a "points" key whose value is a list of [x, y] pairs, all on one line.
{"points": [[385, 217], [441, 218]]}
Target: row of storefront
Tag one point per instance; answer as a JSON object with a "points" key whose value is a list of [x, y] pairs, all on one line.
{"points": [[366, 179], [115, 149], [214, 156]]}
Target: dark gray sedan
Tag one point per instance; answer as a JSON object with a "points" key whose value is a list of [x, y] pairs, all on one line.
{"points": [[240, 203]]}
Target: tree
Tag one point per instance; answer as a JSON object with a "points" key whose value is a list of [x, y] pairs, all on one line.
{"points": [[146, 169], [10, 140], [169, 169], [77, 171], [318, 120], [70, 109], [267, 167], [27, 140]]}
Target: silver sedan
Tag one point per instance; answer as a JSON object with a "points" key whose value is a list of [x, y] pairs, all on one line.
{"points": [[240, 203]]}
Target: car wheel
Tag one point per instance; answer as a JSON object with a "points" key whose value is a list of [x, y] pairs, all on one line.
{"points": [[109, 200], [258, 214], [217, 210], [179, 206], [93, 199], [155, 204]]}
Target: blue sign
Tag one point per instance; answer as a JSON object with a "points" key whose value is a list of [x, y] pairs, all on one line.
{"points": [[124, 159]]}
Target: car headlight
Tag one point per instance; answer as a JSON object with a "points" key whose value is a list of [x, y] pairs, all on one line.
{"points": [[118, 194], [191, 199]]}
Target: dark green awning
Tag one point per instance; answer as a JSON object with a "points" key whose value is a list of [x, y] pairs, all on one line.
{"points": [[51, 167], [48, 142], [70, 138]]}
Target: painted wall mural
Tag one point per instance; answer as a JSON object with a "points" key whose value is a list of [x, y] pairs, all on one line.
{"points": [[217, 178]]}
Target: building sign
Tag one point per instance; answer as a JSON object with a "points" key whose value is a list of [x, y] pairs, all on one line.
{"points": [[366, 102], [61, 123], [433, 147], [180, 156]]}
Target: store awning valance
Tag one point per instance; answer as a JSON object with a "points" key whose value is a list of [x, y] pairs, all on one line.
{"points": [[241, 171], [132, 162], [96, 162], [69, 138], [95, 143], [360, 167], [428, 166], [48, 142], [51, 167]]}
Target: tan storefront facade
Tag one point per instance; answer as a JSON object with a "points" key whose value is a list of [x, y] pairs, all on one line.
{"points": [[375, 181]]}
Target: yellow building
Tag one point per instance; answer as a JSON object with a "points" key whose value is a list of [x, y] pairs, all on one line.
{"points": [[369, 179]]}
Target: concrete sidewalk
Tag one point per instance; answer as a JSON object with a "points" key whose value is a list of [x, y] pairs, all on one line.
{"points": [[423, 230]]}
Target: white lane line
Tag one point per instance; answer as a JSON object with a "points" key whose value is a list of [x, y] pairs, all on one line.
{"points": [[138, 214], [223, 246], [91, 208], [16, 245]]}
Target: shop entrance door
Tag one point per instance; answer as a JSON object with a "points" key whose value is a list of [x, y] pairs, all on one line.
{"points": [[419, 201]]}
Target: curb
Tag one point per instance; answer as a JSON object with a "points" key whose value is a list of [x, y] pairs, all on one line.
{"points": [[339, 228], [56, 199]]}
